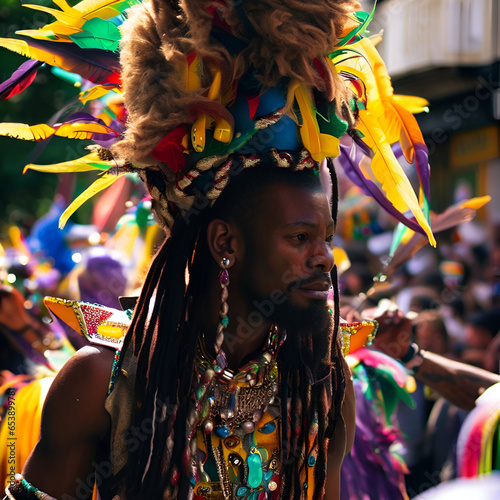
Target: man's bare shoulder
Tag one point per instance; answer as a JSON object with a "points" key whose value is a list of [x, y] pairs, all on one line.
{"points": [[75, 402], [74, 423]]}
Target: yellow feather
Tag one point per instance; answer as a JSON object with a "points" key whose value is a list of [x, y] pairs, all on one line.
{"points": [[96, 92], [89, 9], [391, 125], [214, 90], [105, 118], [378, 67], [21, 47], [101, 183], [358, 72], [60, 31], [18, 46], [81, 130], [43, 34], [83, 164], [75, 17], [411, 103], [66, 17], [376, 39], [103, 13], [396, 121], [26, 132], [308, 128], [319, 145], [191, 75], [62, 4], [410, 131], [476, 203], [389, 173]]}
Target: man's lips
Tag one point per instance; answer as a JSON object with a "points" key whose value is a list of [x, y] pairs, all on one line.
{"points": [[320, 286], [316, 289]]}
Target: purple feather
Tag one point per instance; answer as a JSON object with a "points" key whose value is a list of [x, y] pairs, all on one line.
{"points": [[361, 145], [421, 159], [397, 150], [107, 140], [20, 80], [349, 159], [423, 168], [97, 66], [81, 117]]}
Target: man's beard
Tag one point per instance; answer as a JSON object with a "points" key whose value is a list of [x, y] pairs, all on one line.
{"points": [[308, 330], [313, 318], [309, 334]]}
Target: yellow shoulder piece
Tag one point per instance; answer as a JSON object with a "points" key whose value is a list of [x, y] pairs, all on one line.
{"points": [[357, 335], [98, 324]]}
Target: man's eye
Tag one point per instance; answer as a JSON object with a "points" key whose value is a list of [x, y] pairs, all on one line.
{"points": [[329, 239], [301, 237]]}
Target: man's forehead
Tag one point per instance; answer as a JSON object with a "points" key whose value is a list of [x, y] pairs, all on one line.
{"points": [[285, 204]]}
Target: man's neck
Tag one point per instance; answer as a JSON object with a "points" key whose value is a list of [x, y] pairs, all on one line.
{"points": [[241, 338]]}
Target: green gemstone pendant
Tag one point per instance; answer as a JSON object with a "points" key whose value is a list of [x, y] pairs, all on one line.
{"points": [[255, 473]]}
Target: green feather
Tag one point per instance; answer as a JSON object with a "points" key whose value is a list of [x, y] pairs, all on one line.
{"points": [[98, 34], [364, 18]]}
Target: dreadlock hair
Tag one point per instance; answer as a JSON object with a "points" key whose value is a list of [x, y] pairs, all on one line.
{"points": [[163, 337]]}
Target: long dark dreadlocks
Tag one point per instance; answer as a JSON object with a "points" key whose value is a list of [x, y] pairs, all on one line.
{"points": [[163, 337]]}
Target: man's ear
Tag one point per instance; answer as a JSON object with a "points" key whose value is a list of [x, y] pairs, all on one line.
{"points": [[223, 241]]}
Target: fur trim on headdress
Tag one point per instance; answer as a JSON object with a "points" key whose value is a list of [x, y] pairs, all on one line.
{"points": [[287, 37]]}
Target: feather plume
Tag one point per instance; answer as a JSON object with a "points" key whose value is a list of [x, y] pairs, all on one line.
{"points": [[413, 145], [387, 111], [70, 129], [95, 65], [70, 20], [350, 158], [319, 145], [389, 173], [63, 16], [20, 80], [412, 103], [75, 18], [453, 216], [26, 132], [101, 183], [86, 163], [397, 122], [97, 91]]}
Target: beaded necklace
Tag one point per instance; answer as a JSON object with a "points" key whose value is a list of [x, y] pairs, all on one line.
{"points": [[239, 431]]}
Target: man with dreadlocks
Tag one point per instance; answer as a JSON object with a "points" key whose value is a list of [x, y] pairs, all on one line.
{"points": [[207, 416], [231, 382]]}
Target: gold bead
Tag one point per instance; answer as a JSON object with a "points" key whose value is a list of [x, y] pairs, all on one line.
{"points": [[224, 309]]}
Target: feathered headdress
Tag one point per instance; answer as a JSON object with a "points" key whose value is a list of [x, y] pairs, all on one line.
{"points": [[211, 87]]}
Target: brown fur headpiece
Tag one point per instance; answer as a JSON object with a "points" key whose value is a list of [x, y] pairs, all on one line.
{"points": [[205, 66]]}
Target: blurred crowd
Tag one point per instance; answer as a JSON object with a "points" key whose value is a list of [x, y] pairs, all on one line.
{"points": [[450, 294], [96, 263]]}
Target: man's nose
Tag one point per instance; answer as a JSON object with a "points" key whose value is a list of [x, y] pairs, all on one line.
{"points": [[322, 258]]}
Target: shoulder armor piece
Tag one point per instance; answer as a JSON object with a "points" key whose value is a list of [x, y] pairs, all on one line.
{"points": [[356, 335], [100, 325]]}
